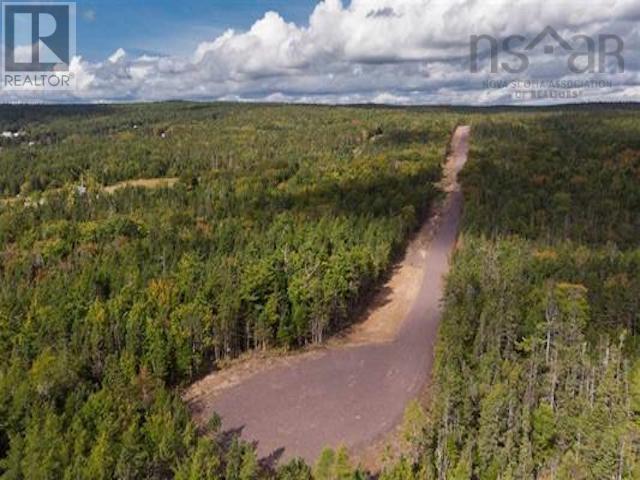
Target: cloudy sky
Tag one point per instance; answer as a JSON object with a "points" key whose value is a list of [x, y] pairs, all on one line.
{"points": [[333, 51]]}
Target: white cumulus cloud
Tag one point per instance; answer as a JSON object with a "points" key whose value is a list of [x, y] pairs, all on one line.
{"points": [[382, 51]]}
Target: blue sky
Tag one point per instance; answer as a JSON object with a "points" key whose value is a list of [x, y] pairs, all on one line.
{"points": [[171, 27]]}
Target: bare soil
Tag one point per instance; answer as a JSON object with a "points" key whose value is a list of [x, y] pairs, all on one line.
{"points": [[353, 391]]}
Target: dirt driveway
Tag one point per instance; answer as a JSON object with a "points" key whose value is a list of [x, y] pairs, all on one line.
{"points": [[354, 391]]}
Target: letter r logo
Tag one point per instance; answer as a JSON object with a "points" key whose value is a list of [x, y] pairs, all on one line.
{"points": [[38, 37]]}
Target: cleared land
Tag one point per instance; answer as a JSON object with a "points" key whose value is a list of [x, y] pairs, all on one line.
{"points": [[143, 183], [150, 183], [354, 391]]}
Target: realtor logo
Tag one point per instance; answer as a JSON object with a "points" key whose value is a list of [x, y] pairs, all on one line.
{"points": [[39, 42]]}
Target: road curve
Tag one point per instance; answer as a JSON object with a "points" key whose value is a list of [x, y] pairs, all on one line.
{"points": [[348, 395]]}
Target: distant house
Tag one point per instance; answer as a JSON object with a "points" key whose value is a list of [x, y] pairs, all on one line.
{"points": [[9, 134]]}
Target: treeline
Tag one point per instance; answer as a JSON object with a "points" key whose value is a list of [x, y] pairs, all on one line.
{"points": [[108, 144], [528, 387], [110, 302], [538, 362], [554, 177]]}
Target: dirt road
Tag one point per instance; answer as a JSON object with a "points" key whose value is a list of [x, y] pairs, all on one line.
{"points": [[349, 394]]}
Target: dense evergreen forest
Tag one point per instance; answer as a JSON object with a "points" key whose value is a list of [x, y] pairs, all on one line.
{"points": [[538, 363], [283, 221]]}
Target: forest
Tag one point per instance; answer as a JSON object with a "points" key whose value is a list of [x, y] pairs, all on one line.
{"points": [[283, 221], [538, 364]]}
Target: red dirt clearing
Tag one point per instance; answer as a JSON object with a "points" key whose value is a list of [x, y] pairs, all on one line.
{"points": [[354, 391]]}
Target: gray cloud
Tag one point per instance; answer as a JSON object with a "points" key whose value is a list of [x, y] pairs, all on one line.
{"points": [[382, 13], [89, 14]]}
